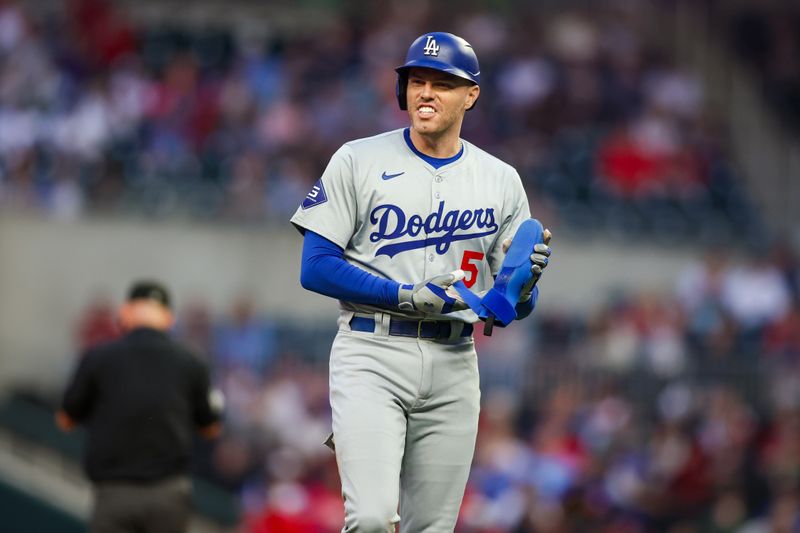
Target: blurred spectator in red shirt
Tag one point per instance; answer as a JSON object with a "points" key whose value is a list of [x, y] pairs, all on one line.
{"points": [[102, 32], [98, 323]]}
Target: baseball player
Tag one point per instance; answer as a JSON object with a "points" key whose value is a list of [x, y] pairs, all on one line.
{"points": [[392, 223]]}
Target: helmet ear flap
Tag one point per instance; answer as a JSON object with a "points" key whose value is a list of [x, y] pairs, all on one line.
{"points": [[400, 90]]}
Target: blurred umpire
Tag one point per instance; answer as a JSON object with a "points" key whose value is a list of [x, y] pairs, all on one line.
{"points": [[141, 398]]}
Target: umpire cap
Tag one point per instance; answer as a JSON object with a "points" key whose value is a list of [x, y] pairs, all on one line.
{"points": [[150, 290]]}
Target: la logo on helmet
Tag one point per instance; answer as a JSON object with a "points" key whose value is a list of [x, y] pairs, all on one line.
{"points": [[431, 48]]}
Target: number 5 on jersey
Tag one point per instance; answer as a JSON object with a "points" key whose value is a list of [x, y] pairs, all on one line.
{"points": [[469, 264]]}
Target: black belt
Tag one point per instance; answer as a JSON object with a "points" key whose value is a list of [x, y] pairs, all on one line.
{"points": [[423, 329]]}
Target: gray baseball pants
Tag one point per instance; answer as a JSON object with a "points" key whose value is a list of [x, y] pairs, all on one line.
{"points": [[157, 507], [405, 418]]}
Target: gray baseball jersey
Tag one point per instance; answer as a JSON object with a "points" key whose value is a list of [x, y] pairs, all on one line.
{"points": [[405, 410], [397, 217]]}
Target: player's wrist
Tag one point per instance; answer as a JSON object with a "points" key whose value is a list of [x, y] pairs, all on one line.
{"points": [[391, 293], [525, 308], [405, 297]]}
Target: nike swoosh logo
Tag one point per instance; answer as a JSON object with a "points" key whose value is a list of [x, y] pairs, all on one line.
{"points": [[390, 176]]}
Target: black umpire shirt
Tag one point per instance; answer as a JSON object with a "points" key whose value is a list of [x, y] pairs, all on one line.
{"points": [[141, 398]]}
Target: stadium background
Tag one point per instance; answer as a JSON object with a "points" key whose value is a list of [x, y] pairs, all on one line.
{"points": [[656, 388]]}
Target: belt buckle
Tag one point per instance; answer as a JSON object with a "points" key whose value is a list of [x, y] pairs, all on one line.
{"points": [[419, 329]]}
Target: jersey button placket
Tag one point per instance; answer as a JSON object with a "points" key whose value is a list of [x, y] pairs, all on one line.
{"points": [[437, 195], [429, 257]]}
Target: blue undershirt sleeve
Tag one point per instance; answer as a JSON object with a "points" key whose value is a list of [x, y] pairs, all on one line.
{"points": [[324, 270], [526, 308]]}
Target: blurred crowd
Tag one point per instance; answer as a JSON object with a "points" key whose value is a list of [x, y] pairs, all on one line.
{"points": [[766, 37], [663, 413], [98, 114], [653, 413]]}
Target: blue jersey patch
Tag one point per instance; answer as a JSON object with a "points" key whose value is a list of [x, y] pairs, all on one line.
{"points": [[316, 197]]}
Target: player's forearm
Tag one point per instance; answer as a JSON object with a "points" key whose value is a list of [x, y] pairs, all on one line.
{"points": [[341, 280], [325, 271]]}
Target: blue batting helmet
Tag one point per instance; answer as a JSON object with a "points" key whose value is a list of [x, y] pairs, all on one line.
{"points": [[438, 51]]}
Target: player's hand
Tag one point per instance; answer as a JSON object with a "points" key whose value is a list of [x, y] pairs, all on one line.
{"points": [[64, 421], [539, 261], [432, 296]]}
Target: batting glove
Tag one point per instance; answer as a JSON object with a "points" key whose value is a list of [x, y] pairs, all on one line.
{"points": [[431, 295], [539, 261]]}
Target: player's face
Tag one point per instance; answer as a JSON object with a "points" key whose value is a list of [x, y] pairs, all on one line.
{"points": [[437, 100]]}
